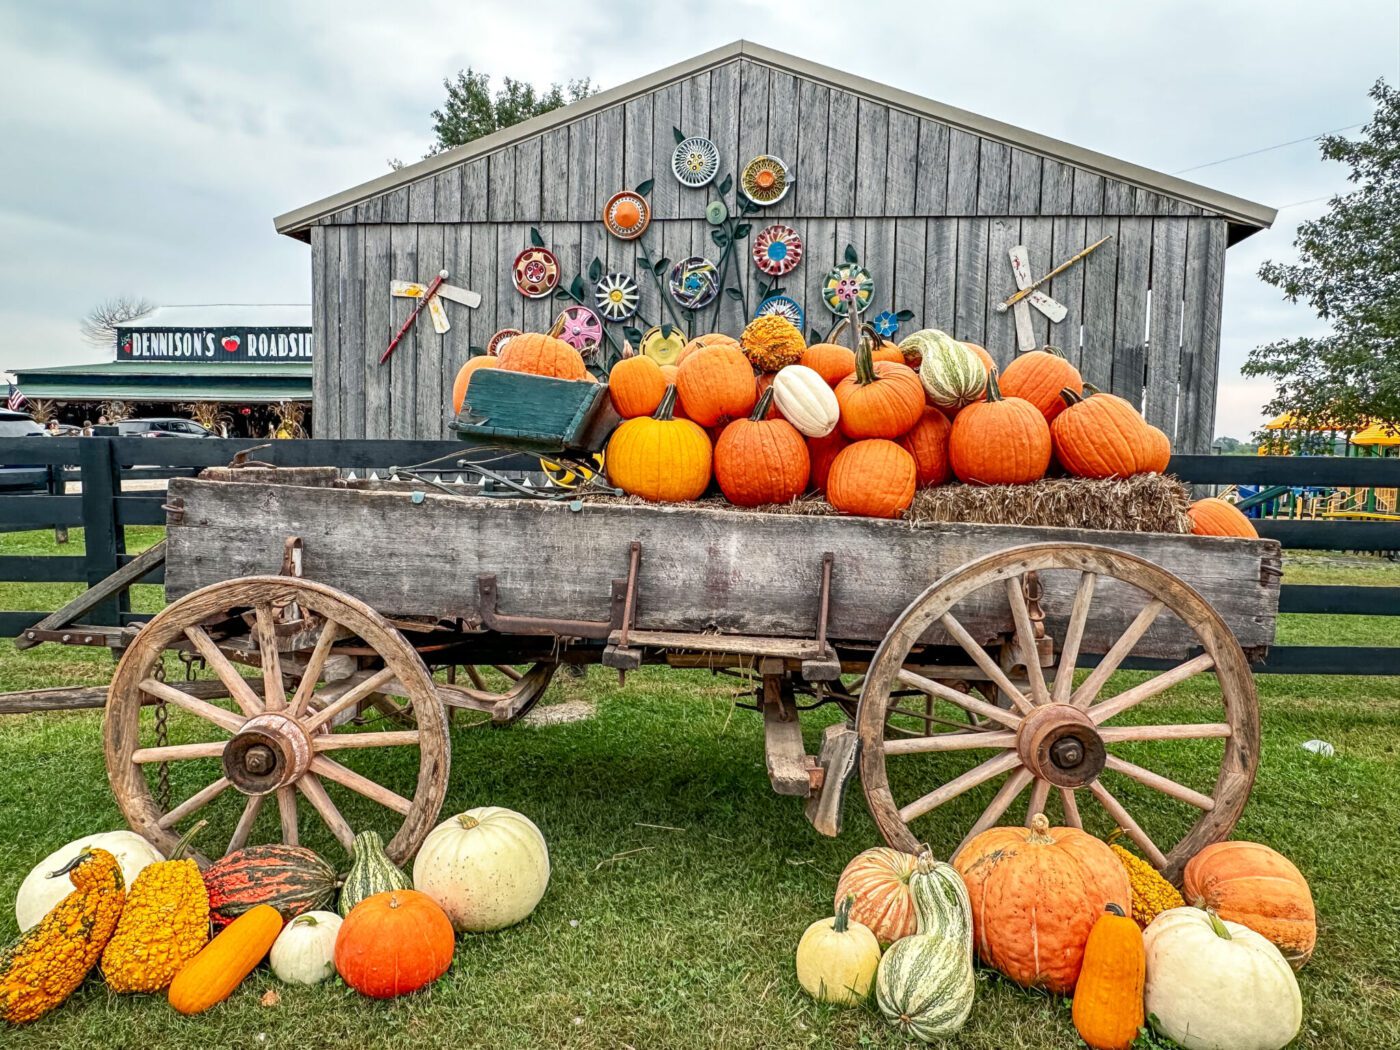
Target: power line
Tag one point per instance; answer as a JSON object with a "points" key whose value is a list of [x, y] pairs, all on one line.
{"points": [[1267, 149], [1310, 200]]}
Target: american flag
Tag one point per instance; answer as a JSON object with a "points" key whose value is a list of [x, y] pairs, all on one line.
{"points": [[17, 400]]}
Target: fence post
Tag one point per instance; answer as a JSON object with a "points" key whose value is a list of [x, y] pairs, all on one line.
{"points": [[105, 540], [58, 487]]}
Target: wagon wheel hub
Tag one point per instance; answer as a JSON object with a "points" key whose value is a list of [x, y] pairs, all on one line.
{"points": [[1059, 743], [271, 751]]}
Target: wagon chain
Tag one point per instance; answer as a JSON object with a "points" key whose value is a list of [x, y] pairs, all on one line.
{"points": [[162, 738]]}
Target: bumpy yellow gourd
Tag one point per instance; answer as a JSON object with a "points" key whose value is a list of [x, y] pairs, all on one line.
{"points": [[1152, 894], [45, 966], [163, 926]]}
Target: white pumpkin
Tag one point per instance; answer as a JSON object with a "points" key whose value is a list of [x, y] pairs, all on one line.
{"points": [[1217, 985], [38, 893], [837, 958], [806, 400], [487, 868], [304, 952]]}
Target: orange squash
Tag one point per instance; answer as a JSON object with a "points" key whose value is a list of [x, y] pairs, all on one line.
{"points": [[716, 384], [702, 341], [760, 460], [823, 452], [1000, 441], [542, 355], [1159, 451], [394, 943], [635, 386], [874, 477], [464, 377], [1108, 1011], [928, 444], [1036, 894], [831, 361], [222, 964], [659, 458], [880, 399], [1101, 435], [988, 362], [1258, 887], [1216, 517], [879, 880], [1038, 376]]}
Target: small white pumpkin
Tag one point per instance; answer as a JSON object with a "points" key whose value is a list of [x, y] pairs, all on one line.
{"points": [[304, 952], [1217, 985], [805, 400], [837, 958], [38, 893], [487, 868]]}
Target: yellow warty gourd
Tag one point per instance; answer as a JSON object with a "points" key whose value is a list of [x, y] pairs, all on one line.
{"points": [[163, 926], [1152, 894], [45, 966]]}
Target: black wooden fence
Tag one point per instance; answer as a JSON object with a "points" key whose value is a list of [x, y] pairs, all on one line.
{"points": [[106, 505]]}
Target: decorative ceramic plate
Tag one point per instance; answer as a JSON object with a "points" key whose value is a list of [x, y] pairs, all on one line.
{"points": [[536, 272], [617, 296], [627, 215], [765, 180], [663, 349], [886, 324], [694, 282], [847, 282], [716, 212], [777, 250], [784, 306], [500, 339], [581, 329], [695, 161]]}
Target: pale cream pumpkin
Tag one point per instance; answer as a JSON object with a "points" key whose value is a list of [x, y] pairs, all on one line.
{"points": [[837, 958], [38, 893], [487, 868], [304, 952], [805, 400]]}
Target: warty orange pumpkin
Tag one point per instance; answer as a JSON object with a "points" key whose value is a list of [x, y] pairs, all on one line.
{"points": [[881, 399], [635, 386], [928, 444], [771, 342], [660, 458], [1256, 886], [760, 460], [1000, 441], [464, 377], [1038, 376], [542, 355], [716, 384], [1213, 516], [874, 477]]}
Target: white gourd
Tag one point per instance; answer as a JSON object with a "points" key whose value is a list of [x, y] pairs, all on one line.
{"points": [[837, 958], [487, 868], [1217, 985], [805, 400], [304, 952], [38, 893]]}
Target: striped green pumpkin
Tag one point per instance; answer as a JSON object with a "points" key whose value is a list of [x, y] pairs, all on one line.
{"points": [[925, 982], [952, 374], [371, 871]]}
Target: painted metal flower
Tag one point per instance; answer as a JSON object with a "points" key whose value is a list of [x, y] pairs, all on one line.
{"points": [[886, 324]]}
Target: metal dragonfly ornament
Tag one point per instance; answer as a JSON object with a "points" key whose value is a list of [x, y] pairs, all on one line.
{"points": [[429, 295], [1028, 293]]}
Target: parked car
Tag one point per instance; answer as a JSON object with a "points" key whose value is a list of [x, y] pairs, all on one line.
{"points": [[172, 427], [21, 477]]}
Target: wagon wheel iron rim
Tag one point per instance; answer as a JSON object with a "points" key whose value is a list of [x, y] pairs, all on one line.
{"points": [[278, 742], [1056, 737]]}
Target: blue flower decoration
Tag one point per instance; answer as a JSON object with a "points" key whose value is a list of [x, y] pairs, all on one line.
{"points": [[886, 324]]}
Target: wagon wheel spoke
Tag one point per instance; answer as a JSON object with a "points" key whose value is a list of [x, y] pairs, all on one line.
{"points": [[978, 774], [508, 671], [1157, 782], [1074, 636], [476, 678], [266, 631], [225, 720], [315, 792], [1071, 805], [963, 700], [1001, 802], [1190, 731], [249, 702], [195, 802], [1106, 709], [989, 666], [346, 741], [330, 634], [1025, 639], [1128, 824], [1089, 688], [361, 785], [1040, 794], [344, 695], [251, 809], [287, 814], [939, 742], [178, 752]]}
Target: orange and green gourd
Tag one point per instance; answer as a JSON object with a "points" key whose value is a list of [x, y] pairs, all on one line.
{"points": [[43, 967]]}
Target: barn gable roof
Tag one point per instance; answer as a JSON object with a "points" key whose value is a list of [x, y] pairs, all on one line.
{"points": [[1245, 217]]}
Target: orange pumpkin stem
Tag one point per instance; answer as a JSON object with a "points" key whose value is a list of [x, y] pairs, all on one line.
{"points": [[993, 387], [1069, 397], [667, 408], [865, 364], [761, 409]]}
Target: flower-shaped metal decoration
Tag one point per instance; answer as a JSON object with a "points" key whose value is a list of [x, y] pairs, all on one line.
{"points": [[617, 296], [627, 215], [663, 348], [695, 161], [716, 212], [694, 282], [784, 306], [500, 339], [765, 180], [777, 250], [847, 283], [886, 324], [580, 328], [536, 272]]}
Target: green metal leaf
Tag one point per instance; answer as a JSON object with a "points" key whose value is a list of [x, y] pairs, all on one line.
{"points": [[535, 238], [742, 230], [576, 286], [719, 237], [645, 187], [851, 256], [726, 185], [476, 351], [734, 294], [633, 336], [680, 135], [813, 336], [595, 269], [660, 265], [666, 329], [904, 315]]}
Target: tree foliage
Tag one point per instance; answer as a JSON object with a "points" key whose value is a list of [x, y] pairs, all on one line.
{"points": [[471, 110], [1348, 271], [99, 324]]}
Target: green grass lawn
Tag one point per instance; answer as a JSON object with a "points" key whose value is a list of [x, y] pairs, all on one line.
{"points": [[681, 883]]}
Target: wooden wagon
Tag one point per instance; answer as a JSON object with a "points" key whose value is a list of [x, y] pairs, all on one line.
{"points": [[337, 620]]}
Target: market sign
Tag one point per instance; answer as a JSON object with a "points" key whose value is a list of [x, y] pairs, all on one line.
{"points": [[214, 344]]}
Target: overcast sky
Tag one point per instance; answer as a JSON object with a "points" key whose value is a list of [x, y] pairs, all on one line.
{"points": [[145, 147]]}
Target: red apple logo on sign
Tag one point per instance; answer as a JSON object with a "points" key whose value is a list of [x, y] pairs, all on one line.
{"points": [[231, 343], [126, 345]]}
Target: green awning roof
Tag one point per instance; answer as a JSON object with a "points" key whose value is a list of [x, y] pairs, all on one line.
{"points": [[242, 381]]}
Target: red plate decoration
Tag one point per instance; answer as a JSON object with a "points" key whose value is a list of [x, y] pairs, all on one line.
{"points": [[777, 250], [765, 180], [626, 215], [846, 283], [580, 328], [784, 306], [694, 282], [617, 296], [500, 339], [536, 272]]}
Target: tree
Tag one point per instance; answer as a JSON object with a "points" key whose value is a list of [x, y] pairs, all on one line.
{"points": [[471, 112], [1348, 271], [99, 327]]}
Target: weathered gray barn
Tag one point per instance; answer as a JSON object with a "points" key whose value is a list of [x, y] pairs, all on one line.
{"points": [[930, 196]]}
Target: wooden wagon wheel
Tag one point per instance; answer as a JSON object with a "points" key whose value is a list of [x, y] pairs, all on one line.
{"points": [[510, 691], [1054, 736], [276, 741]]}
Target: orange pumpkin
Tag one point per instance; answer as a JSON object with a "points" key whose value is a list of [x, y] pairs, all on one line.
{"points": [[1036, 894], [981, 351], [1215, 517], [464, 378], [1038, 376], [823, 452], [660, 458], [762, 383], [928, 444], [830, 361], [880, 399], [1258, 887], [394, 943], [760, 460], [702, 341], [542, 355], [1101, 436], [874, 477], [1000, 441], [668, 373], [878, 878], [1159, 451], [635, 386], [716, 384]]}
